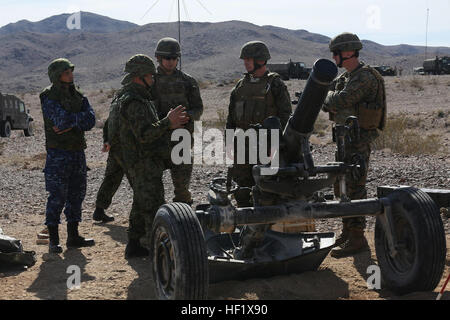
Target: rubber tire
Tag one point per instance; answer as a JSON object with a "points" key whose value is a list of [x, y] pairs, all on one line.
{"points": [[5, 129], [185, 233], [29, 130], [421, 213]]}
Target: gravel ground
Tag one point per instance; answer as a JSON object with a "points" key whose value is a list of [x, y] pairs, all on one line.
{"points": [[106, 275]]}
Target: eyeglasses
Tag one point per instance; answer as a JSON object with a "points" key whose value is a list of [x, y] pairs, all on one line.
{"points": [[170, 58]]}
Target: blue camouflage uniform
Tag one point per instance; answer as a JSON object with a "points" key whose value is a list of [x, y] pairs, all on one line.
{"points": [[65, 168]]}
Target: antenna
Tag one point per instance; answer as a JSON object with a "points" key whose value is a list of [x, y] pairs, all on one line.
{"points": [[179, 28], [426, 32], [179, 16]]}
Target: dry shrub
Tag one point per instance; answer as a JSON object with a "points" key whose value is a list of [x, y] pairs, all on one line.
{"points": [[219, 122], [203, 84], [34, 162], [416, 83], [399, 138], [321, 126]]}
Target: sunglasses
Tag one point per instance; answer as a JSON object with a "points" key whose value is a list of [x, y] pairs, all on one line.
{"points": [[170, 58]]}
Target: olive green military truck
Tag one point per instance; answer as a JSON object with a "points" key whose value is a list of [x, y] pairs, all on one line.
{"points": [[438, 65], [14, 116], [290, 70], [386, 70]]}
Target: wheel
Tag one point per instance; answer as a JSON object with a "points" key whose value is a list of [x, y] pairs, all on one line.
{"points": [[29, 130], [5, 129], [420, 259], [178, 252]]}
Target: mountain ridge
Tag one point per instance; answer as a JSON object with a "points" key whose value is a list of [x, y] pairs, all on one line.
{"points": [[210, 51]]}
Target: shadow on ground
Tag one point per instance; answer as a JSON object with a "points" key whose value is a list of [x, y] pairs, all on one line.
{"points": [[53, 279], [321, 284]]}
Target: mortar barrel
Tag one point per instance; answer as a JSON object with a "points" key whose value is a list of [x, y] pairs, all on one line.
{"points": [[323, 73]]}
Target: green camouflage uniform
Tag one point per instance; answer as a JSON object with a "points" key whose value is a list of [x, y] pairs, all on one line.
{"points": [[114, 173], [251, 101], [144, 140], [357, 93], [168, 92]]}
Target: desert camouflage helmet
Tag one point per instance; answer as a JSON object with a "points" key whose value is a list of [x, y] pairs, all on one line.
{"points": [[345, 42], [168, 47], [57, 67], [255, 49]]}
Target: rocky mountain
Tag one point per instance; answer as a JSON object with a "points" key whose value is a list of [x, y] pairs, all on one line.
{"points": [[90, 22], [210, 50]]}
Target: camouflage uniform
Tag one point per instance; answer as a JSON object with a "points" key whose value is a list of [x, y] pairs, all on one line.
{"points": [[359, 93], [350, 91], [253, 100], [144, 141], [168, 92], [114, 173]]}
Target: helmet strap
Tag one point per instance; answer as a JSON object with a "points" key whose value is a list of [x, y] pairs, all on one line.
{"points": [[257, 66], [342, 59], [147, 86]]}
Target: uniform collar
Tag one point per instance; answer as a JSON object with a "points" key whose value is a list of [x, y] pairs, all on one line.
{"points": [[361, 64], [137, 88], [249, 76], [162, 72]]}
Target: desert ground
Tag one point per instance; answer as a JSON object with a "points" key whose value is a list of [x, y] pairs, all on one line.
{"points": [[421, 103]]}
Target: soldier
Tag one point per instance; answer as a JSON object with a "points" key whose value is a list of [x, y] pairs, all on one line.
{"points": [[113, 178], [173, 88], [144, 143], [258, 95], [358, 92], [67, 115]]}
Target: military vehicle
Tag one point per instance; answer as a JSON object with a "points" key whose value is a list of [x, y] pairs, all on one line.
{"points": [[290, 70], [14, 116], [386, 70], [218, 241], [437, 66], [418, 70]]}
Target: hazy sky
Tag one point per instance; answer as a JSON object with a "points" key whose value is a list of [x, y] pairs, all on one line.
{"points": [[384, 21]]}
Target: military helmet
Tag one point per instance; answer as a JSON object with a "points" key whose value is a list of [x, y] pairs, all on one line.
{"points": [[138, 65], [345, 42], [255, 49], [168, 47], [57, 67]]}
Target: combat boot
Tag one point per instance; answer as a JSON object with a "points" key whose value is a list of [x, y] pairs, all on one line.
{"points": [[343, 237], [99, 215], [74, 240], [355, 243], [134, 249], [54, 246]]}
